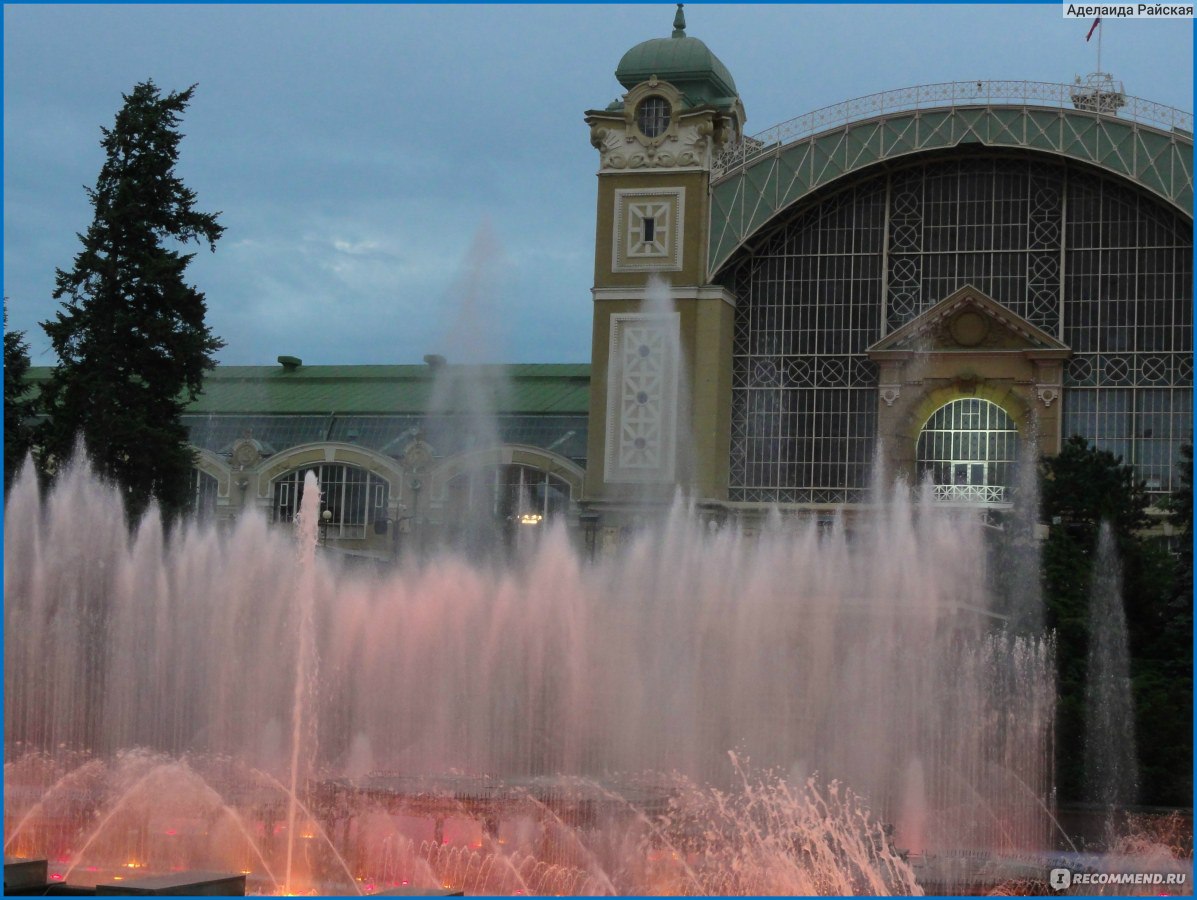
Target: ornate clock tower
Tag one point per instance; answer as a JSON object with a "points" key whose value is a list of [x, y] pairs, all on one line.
{"points": [[660, 404]]}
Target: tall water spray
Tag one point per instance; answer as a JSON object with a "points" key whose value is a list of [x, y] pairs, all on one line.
{"points": [[868, 660], [472, 393], [467, 391], [1023, 573], [1111, 766], [303, 733], [677, 404]]}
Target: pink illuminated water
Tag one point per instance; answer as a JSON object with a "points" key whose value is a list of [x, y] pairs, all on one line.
{"points": [[722, 712]]}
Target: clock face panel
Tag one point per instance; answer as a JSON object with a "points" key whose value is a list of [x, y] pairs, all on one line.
{"points": [[653, 115]]}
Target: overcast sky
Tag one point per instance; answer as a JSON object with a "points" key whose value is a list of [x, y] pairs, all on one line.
{"points": [[402, 180]]}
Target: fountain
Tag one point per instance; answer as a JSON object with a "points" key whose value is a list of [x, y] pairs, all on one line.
{"points": [[549, 724], [1111, 770]]}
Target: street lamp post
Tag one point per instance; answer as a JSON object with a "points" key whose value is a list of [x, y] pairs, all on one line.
{"points": [[381, 524]]}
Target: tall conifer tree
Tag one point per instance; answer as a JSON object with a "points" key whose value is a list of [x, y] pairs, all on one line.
{"points": [[17, 406], [131, 339]]}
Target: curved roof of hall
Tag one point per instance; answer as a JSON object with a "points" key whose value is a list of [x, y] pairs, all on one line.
{"points": [[545, 389], [757, 181]]}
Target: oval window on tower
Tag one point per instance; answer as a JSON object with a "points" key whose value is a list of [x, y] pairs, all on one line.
{"points": [[652, 116]]}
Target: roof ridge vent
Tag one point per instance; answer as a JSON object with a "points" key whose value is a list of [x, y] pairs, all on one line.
{"points": [[290, 363]]}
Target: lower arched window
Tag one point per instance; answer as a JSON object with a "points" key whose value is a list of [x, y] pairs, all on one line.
{"points": [[355, 497], [968, 449], [511, 493], [494, 509]]}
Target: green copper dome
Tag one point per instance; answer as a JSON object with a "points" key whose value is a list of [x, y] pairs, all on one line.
{"points": [[685, 62]]}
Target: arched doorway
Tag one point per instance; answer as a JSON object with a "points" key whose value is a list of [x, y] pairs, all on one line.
{"points": [[969, 448]]}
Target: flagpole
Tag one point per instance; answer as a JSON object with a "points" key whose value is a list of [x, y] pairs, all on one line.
{"points": [[1100, 29]]}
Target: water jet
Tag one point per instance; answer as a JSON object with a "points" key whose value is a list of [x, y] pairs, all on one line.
{"points": [[563, 720]]}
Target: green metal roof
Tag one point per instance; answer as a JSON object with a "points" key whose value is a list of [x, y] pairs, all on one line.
{"points": [[685, 62], [545, 389]]}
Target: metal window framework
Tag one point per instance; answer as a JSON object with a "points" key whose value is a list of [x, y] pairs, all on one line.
{"points": [[652, 115], [355, 496], [1103, 266], [203, 494], [969, 448]]}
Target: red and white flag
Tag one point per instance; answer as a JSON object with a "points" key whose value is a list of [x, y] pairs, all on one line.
{"points": [[1092, 28]]}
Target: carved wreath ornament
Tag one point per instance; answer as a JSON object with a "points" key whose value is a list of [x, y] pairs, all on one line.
{"points": [[610, 144]]}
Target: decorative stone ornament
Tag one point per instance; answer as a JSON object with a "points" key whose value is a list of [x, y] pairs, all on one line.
{"points": [[1047, 393], [247, 453], [679, 139], [648, 230], [969, 328], [418, 456], [968, 321], [641, 432]]}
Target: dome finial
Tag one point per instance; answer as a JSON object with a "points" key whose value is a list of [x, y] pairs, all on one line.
{"points": [[679, 22]]}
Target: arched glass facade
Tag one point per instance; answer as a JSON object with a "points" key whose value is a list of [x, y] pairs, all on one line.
{"points": [[1093, 261]]}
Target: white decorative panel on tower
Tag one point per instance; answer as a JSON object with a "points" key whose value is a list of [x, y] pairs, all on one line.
{"points": [[648, 230], [642, 397]]}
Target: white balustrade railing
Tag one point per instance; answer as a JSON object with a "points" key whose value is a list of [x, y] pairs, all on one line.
{"points": [[946, 94], [970, 493]]}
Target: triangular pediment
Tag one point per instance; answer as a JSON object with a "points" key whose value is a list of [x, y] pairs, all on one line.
{"points": [[966, 321]]}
